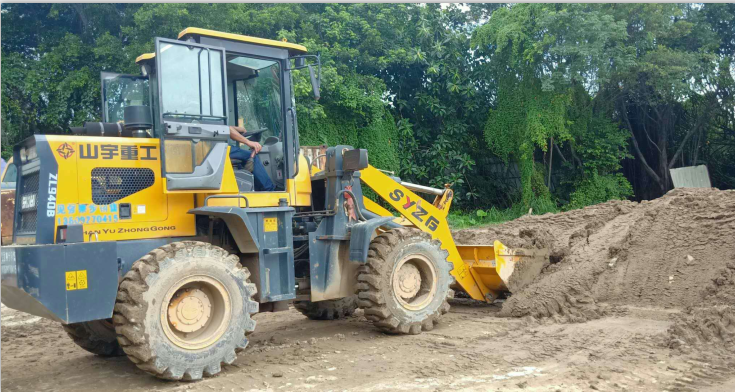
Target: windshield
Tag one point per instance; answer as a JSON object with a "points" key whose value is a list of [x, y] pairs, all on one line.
{"points": [[257, 90], [11, 173], [120, 91], [191, 82]]}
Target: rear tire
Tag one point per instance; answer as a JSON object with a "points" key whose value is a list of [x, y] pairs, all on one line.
{"points": [[98, 337], [332, 309], [403, 286], [184, 309]]}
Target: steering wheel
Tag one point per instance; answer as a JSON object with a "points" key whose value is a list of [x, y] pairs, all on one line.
{"points": [[270, 140], [251, 135]]}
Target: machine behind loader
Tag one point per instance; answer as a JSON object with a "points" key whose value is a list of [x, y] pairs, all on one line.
{"points": [[143, 238]]}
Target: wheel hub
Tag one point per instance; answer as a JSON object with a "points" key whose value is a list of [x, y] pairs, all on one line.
{"points": [[408, 281], [196, 311], [190, 310], [414, 282]]}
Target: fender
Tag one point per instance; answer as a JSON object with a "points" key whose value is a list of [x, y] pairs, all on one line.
{"points": [[362, 234], [237, 222]]}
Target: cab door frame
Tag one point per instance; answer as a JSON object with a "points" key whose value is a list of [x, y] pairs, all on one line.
{"points": [[290, 134], [207, 175]]}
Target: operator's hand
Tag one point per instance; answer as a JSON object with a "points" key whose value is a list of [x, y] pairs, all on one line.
{"points": [[255, 147]]}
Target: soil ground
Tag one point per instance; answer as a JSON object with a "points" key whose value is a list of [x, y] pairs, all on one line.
{"points": [[471, 349], [635, 297]]}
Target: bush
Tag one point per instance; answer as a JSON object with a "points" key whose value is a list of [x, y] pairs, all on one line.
{"points": [[464, 219], [599, 189]]}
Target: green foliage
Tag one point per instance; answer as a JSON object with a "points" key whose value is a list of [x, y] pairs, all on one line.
{"points": [[597, 189], [525, 118], [601, 144], [378, 136], [435, 93], [459, 219]]}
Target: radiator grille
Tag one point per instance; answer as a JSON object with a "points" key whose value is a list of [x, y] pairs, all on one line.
{"points": [[29, 215], [110, 184], [28, 222]]}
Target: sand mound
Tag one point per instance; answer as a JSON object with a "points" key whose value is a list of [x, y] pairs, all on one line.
{"points": [[677, 251], [708, 325]]}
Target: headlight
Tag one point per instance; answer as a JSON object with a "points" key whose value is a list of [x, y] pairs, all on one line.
{"points": [[31, 152], [28, 153]]}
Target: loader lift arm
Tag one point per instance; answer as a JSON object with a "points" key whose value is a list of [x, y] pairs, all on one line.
{"points": [[428, 218], [483, 271]]}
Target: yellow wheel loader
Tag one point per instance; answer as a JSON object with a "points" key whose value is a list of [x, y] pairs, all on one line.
{"points": [[142, 237]]}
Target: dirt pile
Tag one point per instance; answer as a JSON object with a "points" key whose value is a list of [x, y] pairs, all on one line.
{"points": [[677, 251], [707, 325]]}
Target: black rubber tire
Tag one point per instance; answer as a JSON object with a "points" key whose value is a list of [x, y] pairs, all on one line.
{"points": [[137, 315], [333, 309], [98, 337], [375, 294]]}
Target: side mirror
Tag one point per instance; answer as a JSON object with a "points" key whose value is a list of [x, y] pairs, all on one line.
{"points": [[314, 83], [300, 63]]}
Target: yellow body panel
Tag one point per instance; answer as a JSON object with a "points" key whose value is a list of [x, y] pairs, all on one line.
{"points": [[154, 213], [297, 193], [229, 36], [144, 57], [300, 187], [241, 38]]}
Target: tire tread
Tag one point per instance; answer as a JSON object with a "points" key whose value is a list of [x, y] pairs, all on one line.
{"points": [[130, 310], [371, 293]]}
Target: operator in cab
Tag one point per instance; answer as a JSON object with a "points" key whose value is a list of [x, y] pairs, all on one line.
{"points": [[252, 162]]}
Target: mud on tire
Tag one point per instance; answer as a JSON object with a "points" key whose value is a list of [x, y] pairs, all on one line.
{"points": [[376, 279], [98, 337], [142, 315], [333, 309]]}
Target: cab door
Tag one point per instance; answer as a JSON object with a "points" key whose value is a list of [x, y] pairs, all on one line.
{"points": [[192, 110]]}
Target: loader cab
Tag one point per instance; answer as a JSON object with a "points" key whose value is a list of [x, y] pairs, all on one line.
{"points": [[198, 86]]}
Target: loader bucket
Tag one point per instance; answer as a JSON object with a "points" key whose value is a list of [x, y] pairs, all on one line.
{"points": [[501, 269]]}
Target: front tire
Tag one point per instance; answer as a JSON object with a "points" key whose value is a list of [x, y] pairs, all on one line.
{"points": [[184, 309], [98, 337], [403, 286]]}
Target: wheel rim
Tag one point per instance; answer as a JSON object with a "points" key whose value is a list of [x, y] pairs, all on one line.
{"points": [[196, 312], [414, 282]]}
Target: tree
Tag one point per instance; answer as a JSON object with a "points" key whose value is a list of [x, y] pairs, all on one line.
{"points": [[642, 62], [543, 55], [436, 93]]}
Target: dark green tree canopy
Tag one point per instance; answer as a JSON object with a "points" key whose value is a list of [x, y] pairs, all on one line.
{"points": [[557, 104]]}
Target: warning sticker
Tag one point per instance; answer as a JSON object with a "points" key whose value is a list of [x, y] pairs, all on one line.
{"points": [[270, 224], [82, 279], [76, 280], [71, 280]]}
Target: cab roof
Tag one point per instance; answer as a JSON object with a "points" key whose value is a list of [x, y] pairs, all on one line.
{"points": [[197, 32]]}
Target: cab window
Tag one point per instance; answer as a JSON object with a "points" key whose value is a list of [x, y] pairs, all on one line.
{"points": [[255, 85], [191, 83], [119, 91], [10, 175]]}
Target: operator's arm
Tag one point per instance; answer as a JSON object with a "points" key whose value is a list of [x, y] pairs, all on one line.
{"points": [[236, 135]]}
